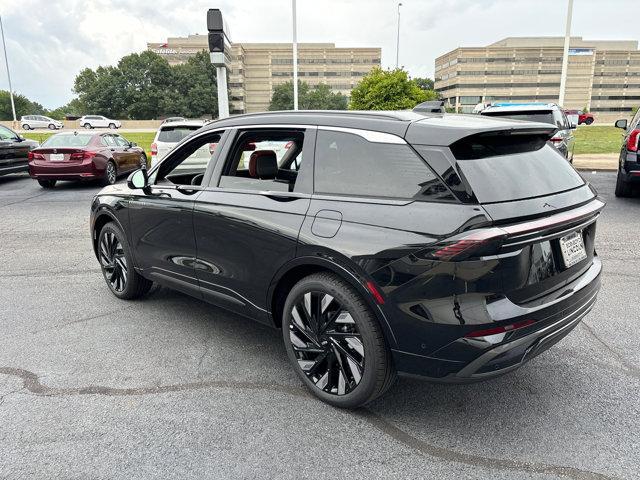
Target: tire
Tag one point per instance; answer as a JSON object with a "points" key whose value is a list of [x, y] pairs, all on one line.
{"points": [[26, 127], [143, 161], [110, 174], [331, 368], [87, 126], [623, 188], [52, 126], [112, 126], [47, 183], [589, 121], [116, 264]]}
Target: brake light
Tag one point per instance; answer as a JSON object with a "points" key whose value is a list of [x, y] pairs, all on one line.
{"points": [[556, 139], [154, 149], [84, 155], [632, 141], [465, 246], [502, 329], [35, 156]]}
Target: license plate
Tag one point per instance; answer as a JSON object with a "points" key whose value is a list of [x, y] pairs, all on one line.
{"points": [[56, 157], [572, 248]]}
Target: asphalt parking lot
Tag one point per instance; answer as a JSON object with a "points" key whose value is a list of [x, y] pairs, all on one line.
{"points": [[171, 387]]}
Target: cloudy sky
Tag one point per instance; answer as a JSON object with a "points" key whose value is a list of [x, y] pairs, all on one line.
{"points": [[50, 41]]}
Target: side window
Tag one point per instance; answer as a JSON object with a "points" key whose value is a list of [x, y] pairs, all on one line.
{"points": [[109, 141], [120, 141], [188, 164], [264, 160], [348, 164], [6, 134]]}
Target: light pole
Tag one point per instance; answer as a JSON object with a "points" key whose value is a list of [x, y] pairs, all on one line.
{"points": [[219, 51], [6, 61], [398, 37], [295, 56], [565, 56]]}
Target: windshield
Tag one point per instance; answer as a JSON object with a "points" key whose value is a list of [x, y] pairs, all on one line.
{"points": [[67, 140], [535, 116], [171, 134]]}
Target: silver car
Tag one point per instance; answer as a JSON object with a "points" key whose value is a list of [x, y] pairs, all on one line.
{"points": [[29, 122]]}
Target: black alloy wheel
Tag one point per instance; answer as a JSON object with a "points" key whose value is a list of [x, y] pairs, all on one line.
{"points": [[117, 265], [113, 261], [335, 343]]}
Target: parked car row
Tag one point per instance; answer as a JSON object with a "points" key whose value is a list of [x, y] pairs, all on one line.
{"points": [[31, 122]]}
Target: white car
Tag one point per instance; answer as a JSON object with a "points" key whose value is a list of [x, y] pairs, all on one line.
{"points": [[98, 121], [168, 136], [29, 122]]}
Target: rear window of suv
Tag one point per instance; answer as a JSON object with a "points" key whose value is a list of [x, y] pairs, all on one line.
{"points": [[173, 134], [348, 164], [544, 116], [513, 167]]}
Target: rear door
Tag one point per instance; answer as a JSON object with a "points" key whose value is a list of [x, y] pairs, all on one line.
{"points": [[247, 219], [131, 158]]}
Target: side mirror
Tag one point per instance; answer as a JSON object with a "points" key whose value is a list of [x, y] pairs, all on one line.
{"points": [[21, 138], [622, 123], [138, 179], [133, 144]]}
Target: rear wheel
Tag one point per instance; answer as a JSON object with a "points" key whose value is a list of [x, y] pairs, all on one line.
{"points": [[110, 174], [335, 343], [117, 264], [26, 127], [589, 121], [47, 183], [623, 188]]}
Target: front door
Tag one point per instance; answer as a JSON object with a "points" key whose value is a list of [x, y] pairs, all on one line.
{"points": [[13, 151], [161, 219], [248, 218]]}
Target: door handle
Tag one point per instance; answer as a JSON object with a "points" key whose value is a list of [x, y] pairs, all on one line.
{"points": [[281, 196]]}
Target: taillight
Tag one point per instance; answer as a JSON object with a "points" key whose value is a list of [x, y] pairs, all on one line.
{"points": [[30, 155], [474, 243], [556, 140], [502, 329], [632, 141], [35, 156], [85, 155], [212, 147], [154, 149]]}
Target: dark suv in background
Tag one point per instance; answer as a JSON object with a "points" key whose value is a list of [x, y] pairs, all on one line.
{"points": [[563, 139], [454, 248], [629, 163]]}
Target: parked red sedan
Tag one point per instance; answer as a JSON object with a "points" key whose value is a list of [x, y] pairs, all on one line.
{"points": [[84, 156]]}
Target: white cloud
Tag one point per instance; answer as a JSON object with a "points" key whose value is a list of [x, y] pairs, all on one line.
{"points": [[49, 42]]}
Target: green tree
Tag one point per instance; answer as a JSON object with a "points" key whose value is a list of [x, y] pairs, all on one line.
{"points": [[388, 90], [74, 108], [424, 83], [24, 106], [320, 97], [195, 91]]}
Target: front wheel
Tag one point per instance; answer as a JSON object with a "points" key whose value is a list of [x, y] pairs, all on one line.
{"points": [[623, 188], [52, 126], [87, 126], [143, 161], [589, 121], [335, 343], [47, 183], [117, 265], [112, 126]]}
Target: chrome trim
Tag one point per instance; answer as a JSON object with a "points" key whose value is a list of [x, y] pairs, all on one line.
{"points": [[369, 135]]}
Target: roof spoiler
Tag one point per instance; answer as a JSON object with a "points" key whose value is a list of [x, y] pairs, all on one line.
{"points": [[431, 106]]}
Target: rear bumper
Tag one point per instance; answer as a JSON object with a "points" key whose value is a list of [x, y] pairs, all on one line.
{"points": [[65, 171], [467, 360]]}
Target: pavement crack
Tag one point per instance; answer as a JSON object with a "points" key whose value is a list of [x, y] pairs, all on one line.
{"points": [[388, 428], [81, 320], [629, 368], [31, 382], [23, 200]]}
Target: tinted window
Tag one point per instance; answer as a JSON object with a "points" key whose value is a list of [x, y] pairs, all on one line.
{"points": [[503, 168], [175, 134], [348, 164], [188, 165], [68, 140], [544, 117], [264, 160]]}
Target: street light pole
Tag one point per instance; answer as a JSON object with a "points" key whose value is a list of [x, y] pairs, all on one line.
{"points": [[398, 38], [295, 56], [6, 61], [565, 56]]}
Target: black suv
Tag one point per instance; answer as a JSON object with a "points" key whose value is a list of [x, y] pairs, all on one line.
{"points": [[446, 246], [629, 162]]}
